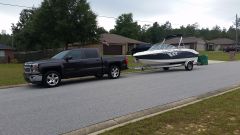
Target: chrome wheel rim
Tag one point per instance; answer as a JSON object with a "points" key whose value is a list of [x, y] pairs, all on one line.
{"points": [[115, 72], [52, 79]]}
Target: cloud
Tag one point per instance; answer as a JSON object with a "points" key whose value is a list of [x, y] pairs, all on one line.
{"points": [[207, 13], [138, 8]]}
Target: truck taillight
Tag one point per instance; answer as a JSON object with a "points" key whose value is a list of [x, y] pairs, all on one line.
{"points": [[126, 60]]}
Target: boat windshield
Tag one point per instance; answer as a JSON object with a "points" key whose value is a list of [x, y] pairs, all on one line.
{"points": [[161, 46]]}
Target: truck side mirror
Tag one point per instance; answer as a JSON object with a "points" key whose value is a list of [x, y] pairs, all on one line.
{"points": [[68, 58]]}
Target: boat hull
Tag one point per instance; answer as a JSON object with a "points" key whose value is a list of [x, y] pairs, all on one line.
{"points": [[167, 61], [169, 57]]}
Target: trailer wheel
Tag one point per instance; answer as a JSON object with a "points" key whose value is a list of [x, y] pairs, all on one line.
{"points": [[166, 68], [189, 66]]}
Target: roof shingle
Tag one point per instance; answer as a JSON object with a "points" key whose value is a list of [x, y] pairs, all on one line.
{"points": [[222, 41], [118, 39], [186, 40]]}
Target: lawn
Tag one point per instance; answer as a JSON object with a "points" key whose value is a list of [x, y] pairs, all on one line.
{"points": [[214, 116], [11, 74], [219, 55], [132, 64]]}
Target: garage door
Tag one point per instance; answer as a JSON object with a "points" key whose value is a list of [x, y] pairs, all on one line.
{"points": [[112, 50]]}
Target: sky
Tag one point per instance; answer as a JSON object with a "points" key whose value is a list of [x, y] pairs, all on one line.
{"points": [[207, 13]]}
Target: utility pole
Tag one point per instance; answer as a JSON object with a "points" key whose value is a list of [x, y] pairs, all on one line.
{"points": [[237, 29], [12, 40]]}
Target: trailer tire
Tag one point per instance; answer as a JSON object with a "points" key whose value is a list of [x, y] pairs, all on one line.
{"points": [[166, 68], [189, 66]]}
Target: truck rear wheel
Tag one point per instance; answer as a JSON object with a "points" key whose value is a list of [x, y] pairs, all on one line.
{"points": [[114, 72], [51, 79]]}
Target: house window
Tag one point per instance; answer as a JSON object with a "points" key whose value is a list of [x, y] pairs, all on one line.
{"points": [[2, 53]]}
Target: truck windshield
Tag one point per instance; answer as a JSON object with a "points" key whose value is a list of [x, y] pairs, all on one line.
{"points": [[61, 55]]}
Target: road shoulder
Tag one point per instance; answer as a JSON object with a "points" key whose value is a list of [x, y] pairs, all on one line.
{"points": [[137, 116]]}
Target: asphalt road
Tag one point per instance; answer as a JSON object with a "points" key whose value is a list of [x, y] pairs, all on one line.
{"points": [[34, 110]]}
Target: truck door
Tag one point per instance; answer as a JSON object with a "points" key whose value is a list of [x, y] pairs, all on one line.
{"points": [[74, 67], [94, 62]]}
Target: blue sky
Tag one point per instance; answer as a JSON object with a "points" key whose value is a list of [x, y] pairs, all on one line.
{"points": [[207, 13]]}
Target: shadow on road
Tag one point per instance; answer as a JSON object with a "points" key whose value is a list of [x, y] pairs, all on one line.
{"points": [[79, 80], [171, 70]]}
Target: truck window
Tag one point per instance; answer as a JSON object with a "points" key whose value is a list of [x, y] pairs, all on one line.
{"points": [[91, 53], [75, 54]]}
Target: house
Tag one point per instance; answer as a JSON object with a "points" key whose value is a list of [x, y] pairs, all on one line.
{"points": [[189, 42], [219, 44], [6, 54], [113, 44]]}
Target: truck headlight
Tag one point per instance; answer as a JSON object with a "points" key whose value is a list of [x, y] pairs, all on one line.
{"points": [[35, 68]]}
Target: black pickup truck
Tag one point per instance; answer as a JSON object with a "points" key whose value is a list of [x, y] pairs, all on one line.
{"points": [[73, 63]]}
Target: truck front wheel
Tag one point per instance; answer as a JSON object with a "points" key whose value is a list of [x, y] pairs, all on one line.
{"points": [[114, 72], [51, 79]]}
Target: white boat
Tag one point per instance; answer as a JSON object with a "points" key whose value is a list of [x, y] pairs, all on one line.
{"points": [[166, 56]]}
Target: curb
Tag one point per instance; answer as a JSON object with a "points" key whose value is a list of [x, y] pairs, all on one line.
{"points": [[72, 79], [13, 86], [140, 115]]}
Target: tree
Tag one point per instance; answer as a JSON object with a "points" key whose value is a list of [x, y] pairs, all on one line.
{"points": [[101, 30], [75, 21], [5, 39], [154, 33], [56, 23], [23, 31], [125, 26]]}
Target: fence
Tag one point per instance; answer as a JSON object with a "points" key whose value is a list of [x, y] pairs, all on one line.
{"points": [[22, 57]]}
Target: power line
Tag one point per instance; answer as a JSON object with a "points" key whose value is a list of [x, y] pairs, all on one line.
{"points": [[110, 17], [102, 16], [237, 29], [14, 5]]}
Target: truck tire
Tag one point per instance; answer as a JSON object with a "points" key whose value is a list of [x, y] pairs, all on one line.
{"points": [[114, 72], [51, 79], [189, 66]]}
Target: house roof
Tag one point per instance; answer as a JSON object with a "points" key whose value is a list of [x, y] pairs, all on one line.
{"points": [[222, 41], [186, 40], [5, 47], [118, 39]]}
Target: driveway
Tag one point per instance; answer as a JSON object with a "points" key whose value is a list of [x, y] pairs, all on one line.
{"points": [[34, 110]]}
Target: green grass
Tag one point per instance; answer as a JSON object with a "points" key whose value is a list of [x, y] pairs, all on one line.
{"points": [[11, 74], [132, 64], [219, 55], [214, 116]]}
